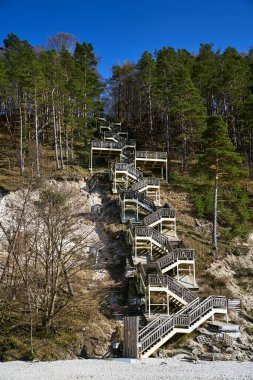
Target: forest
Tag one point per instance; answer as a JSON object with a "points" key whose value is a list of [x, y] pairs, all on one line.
{"points": [[196, 107], [169, 100]]}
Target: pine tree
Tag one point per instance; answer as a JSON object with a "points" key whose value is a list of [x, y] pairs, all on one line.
{"points": [[20, 58], [166, 64], [91, 85], [205, 76], [146, 78], [220, 161], [187, 112], [234, 79]]}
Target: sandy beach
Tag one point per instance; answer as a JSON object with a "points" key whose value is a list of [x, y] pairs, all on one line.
{"points": [[115, 369]]}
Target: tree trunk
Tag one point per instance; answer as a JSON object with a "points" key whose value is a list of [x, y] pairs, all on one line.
{"points": [[151, 128], [215, 197], [37, 137], [60, 144], [21, 153], [55, 133], [166, 133]]}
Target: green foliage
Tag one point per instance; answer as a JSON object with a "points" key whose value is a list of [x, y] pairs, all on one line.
{"points": [[199, 206], [53, 197]]}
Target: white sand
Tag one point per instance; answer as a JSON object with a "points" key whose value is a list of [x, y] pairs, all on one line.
{"points": [[149, 369]]}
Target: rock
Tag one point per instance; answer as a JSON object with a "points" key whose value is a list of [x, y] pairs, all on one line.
{"points": [[196, 352], [229, 350], [239, 340], [251, 347], [215, 349], [162, 354], [241, 356], [243, 347]]}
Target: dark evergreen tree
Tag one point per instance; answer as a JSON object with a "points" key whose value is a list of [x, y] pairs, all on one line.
{"points": [[220, 161]]}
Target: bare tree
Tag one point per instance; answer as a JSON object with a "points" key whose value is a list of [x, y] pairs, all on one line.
{"points": [[62, 40], [44, 252]]}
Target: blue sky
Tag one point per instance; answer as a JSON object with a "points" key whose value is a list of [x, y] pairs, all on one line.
{"points": [[121, 30]]}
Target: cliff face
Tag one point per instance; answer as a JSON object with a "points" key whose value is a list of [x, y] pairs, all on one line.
{"points": [[84, 327], [236, 271]]}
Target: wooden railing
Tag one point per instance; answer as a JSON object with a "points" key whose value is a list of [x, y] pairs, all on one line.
{"points": [[172, 285], [115, 136], [151, 155], [150, 232], [135, 195], [176, 254], [122, 143], [107, 144], [123, 166], [159, 214], [144, 183], [151, 326], [163, 326], [186, 309]]}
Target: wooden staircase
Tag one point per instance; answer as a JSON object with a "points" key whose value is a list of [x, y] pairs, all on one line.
{"points": [[152, 233], [159, 331]]}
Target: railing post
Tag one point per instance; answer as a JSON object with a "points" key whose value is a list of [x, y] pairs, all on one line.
{"points": [[124, 213], [149, 301], [91, 158]]}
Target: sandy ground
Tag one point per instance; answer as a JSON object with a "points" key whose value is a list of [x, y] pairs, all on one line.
{"points": [[116, 369]]}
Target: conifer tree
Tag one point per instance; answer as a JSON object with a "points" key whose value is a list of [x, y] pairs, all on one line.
{"points": [[205, 76], [187, 112], [220, 161], [146, 78], [166, 63], [91, 85]]}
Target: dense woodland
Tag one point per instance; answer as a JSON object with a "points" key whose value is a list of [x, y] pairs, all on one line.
{"points": [[199, 108], [196, 107], [49, 96]]}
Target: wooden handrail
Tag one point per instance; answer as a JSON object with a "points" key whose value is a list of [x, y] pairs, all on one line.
{"points": [[151, 326], [175, 255], [172, 285], [154, 235], [135, 195], [107, 144], [150, 155], [159, 214], [164, 326], [144, 183], [123, 166]]}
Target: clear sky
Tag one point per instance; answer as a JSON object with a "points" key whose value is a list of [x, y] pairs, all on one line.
{"points": [[121, 30]]}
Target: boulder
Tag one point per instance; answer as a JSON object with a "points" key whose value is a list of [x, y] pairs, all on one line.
{"points": [[215, 349]]}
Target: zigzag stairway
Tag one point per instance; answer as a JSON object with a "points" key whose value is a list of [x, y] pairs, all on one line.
{"points": [[163, 268]]}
